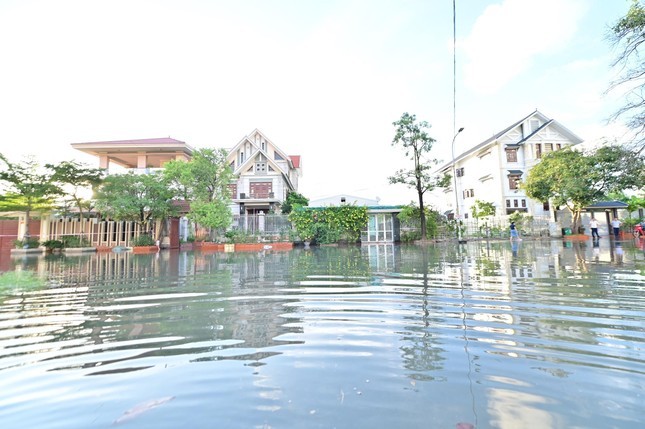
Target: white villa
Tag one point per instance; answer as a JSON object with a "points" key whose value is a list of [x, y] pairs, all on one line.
{"points": [[265, 174], [491, 170]]}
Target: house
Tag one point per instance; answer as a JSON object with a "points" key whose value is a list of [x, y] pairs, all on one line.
{"points": [[139, 155], [264, 174], [491, 170]]}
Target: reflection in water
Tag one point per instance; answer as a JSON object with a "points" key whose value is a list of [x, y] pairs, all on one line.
{"points": [[503, 335]]}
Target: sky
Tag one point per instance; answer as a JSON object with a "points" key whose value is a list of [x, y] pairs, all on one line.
{"points": [[321, 79]]}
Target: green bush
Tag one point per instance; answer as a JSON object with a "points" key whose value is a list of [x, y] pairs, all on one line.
{"points": [[410, 236], [72, 241], [329, 224], [143, 240], [30, 243], [239, 236], [53, 244]]}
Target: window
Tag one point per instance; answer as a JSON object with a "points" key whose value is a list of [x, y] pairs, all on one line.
{"points": [[558, 146], [261, 189], [515, 203], [469, 193], [277, 156], [233, 190], [260, 167], [545, 206], [524, 203], [263, 145], [538, 150], [459, 172], [511, 155], [508, 203], [548, 147], [513, 181]]}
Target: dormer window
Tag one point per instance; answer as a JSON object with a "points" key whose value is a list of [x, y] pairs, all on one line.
{"points": [[511, 155]]}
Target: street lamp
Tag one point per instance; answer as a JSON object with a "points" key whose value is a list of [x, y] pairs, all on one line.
{"points": [[454, 178]]}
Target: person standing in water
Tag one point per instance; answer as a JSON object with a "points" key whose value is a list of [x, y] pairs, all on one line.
{"points": [[514, 233], [593, 224], [616, 225]]}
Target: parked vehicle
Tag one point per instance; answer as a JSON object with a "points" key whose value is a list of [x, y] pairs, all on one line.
{"points": [[639, 230]]}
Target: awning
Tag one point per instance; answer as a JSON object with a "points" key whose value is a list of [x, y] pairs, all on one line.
{"points": [[602, 205]]}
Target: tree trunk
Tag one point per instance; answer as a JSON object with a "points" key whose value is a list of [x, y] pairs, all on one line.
{"points": [[26, 236], [576, 219], [422, 216]]}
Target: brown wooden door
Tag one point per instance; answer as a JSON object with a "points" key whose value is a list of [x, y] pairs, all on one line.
{"points": [[174, 233]]}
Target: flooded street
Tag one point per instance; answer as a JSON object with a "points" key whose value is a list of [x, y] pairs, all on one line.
{"points": [[544, 334]]}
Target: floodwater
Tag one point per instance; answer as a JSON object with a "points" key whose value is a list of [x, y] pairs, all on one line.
{"points": [[483, 335]]}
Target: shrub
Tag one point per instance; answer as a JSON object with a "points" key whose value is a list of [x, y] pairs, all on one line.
{"points": [[72, 241], [53, 244], [143, 240], [410, 236], [30, 243]]}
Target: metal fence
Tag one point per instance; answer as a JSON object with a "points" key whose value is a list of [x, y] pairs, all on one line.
{"points": [[262, 224], [490, 227], [95, 232]]}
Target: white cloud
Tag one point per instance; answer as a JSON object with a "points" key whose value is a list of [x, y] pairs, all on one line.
{"points": [[508, 36]]}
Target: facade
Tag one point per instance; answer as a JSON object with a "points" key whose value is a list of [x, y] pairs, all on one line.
{"points": [[264, 175], [491, 170]]}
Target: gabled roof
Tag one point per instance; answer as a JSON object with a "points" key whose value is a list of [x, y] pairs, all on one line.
{"points": [[246, 138], [488, 142], [295, 160], [251, 160]]}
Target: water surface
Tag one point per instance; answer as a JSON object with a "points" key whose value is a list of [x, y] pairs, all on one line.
{"points": [[496, 335]]}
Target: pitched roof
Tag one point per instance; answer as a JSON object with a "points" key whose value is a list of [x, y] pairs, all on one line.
{"points": [[607, 205], [547, 121], [295, 160]]}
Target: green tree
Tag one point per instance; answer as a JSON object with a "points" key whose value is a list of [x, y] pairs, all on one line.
{"points": [[204, 182], [570, 178], [482, 209], [73, 178], [628, 36], [26, 187], [213, 215], [294, 199], [410, 216], [204, 178], [135, 197], [416, 143]]}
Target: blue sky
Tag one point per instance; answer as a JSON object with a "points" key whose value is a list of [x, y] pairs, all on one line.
{"points": [[322, 79]]}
